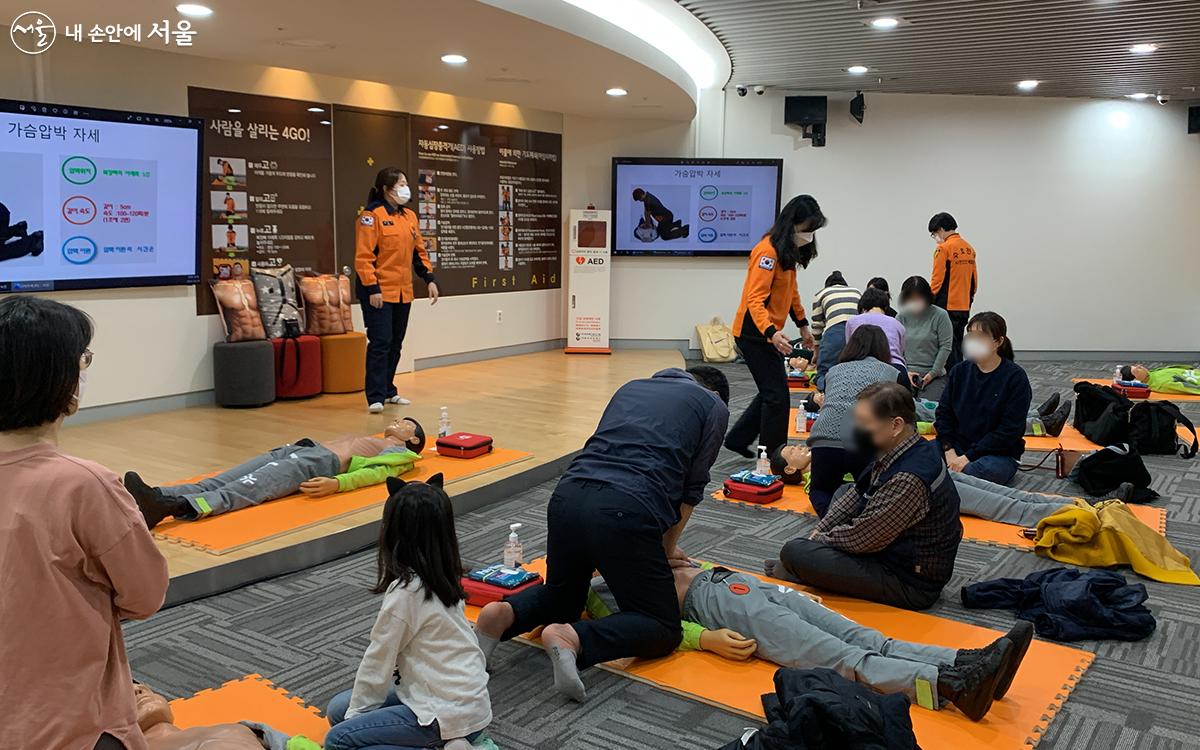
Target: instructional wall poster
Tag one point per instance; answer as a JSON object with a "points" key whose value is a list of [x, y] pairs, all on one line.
{"points": [[268, 185], [489, 202]]}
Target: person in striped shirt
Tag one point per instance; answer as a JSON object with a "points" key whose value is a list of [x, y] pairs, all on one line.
{"points": [[835, 304]]}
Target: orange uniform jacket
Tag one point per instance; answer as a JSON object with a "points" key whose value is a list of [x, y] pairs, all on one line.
{"points": [[954, 279], [388, 250], [768, 295]]}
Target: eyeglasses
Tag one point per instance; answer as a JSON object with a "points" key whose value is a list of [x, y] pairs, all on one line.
{"points": [[85, 359]]}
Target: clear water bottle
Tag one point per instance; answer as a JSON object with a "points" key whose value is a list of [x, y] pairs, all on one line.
{"points": [[514, 555], [444, 422], [763, 467]]}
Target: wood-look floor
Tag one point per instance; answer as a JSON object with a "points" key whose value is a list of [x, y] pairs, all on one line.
{"points": [[546, 403]]}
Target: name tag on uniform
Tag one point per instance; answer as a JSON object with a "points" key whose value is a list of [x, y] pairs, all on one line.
{"points": [[388, 222]]}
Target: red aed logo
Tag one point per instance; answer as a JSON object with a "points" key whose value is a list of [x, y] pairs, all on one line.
{"points": [[580, 260], [740, 589]]}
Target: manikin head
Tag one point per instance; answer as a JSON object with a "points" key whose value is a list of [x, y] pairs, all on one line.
{"points": [[407, 431], [152, 708], [1135, 372], [884, 417], [790, 462]]}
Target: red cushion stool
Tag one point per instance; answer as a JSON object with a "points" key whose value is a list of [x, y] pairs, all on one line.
{"points": [[343, 362], [297, 367]]}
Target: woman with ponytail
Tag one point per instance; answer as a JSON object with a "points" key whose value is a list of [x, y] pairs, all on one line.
{"points": [[388, 252], [981, 417]]}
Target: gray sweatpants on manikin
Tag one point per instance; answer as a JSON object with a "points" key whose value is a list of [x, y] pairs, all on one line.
{"points": [[794, 631], [995, 502], [270, 476]]}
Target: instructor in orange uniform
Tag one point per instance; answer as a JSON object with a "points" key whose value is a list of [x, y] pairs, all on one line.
{"points": [[954, 279], [768, 296], [388, 251]]}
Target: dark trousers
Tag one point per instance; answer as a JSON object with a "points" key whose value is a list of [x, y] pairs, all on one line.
{"points": [[860, 576], [958, 326], [108, 742], [593, 527], [386, 327], [766, 418], [829, 468], [833, 340]]}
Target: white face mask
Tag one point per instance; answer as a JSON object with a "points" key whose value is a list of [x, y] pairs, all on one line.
{"points": [[975, 350], [802, 238], [402, 194], [912, 308]]}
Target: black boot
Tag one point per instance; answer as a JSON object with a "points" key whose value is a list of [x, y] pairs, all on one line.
{"points": [[1018, 638], [1048, 406], [154, 505], [971, 686], [1123, 492], [1055, 422]]}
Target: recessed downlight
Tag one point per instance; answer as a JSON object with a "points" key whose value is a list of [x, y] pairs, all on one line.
{"points": [[1028, 85], [885, 22], [316, 109], [454, 59], [616, 91], [193, 10], [857, 70], [233, 111], [326, 122], [441, 127], [1138, 96], [1143, 49]]}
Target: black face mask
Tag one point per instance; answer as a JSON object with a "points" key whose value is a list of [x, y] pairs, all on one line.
{"points": [[864, 443]]}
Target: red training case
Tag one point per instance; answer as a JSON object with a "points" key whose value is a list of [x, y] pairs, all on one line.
{"points": [[480, 593], [464, 445], [1129, 391], [753, 493]]}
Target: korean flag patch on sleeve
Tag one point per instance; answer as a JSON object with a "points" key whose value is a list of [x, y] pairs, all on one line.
{"points": [[367, 220], [766, 262]]}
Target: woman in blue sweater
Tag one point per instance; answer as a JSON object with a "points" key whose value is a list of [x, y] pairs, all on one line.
{"points": [[981, 416]]}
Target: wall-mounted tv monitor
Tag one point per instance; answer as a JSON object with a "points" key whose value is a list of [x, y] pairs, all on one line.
{"points": [[693, 206], [93, 198]]}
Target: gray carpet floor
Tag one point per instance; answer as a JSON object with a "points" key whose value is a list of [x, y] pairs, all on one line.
{"points": [[307, 631]]}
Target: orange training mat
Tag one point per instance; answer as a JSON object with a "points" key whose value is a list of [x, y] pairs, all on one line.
{"points": [[1048, 674], [221, 534], [252, 698], [1153, 396], [795, 500], [1070, 439]]}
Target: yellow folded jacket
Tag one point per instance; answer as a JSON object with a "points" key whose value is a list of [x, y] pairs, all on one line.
{"points": [[1108, 534]]}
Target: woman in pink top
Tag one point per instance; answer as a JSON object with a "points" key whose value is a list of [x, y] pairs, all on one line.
{"points": [[872, 310], [75, 554]]}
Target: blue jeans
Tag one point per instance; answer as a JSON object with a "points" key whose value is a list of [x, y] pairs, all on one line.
{"points": [[998, 469], [392, 726], [833, 340]]}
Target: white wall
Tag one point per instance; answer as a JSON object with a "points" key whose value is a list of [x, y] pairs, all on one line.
{"points": [[1088, 233], [150, 342]]}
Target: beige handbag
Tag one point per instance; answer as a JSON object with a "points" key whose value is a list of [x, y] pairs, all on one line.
{"points": [[716, 341]]}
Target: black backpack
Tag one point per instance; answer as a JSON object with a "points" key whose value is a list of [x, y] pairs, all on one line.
{"points": [[1102, 471], [1102, 414], [1152, 429]]}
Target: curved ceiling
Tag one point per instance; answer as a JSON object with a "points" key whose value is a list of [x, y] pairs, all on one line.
{"points": [[511, 58], [1072, 47]]}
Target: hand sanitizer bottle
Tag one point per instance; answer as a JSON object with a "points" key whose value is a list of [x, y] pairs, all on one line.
{"points": [[513, 553], [763, 468], [444, 422]]}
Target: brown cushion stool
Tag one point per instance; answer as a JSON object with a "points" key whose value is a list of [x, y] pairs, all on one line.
{"points": [[343, 362]]}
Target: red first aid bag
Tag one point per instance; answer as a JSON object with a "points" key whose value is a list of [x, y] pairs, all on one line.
{"points": [[753, 493], [463, 445], [480, 593], [1132, 391]]}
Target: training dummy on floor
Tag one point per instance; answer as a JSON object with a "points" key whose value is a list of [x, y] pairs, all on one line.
{"points": [[315, 469], [157, 723], [738, 616], [1172, 379]]}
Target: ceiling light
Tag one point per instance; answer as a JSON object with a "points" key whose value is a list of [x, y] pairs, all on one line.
{"points": [[616, 91], [885, 22], [316, 109], [857, 70], [442, 127], [326, 122], [192, 10], [453, 59], [1028, 85], [1143, 49], [1138, 97], [234, 110]]}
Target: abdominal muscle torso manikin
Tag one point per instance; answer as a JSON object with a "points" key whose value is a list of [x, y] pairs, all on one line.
{"points": [[157, 724]]}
